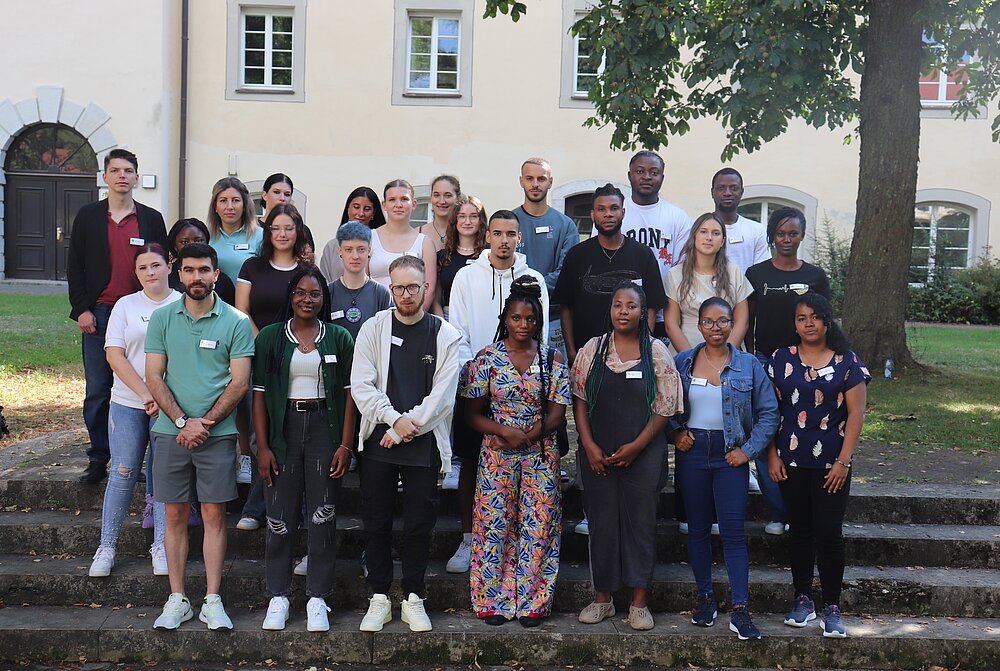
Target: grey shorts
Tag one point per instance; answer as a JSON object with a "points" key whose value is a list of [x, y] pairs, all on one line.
{"points": [[209, 468]]}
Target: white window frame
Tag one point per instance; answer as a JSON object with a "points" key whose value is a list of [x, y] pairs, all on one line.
{"points": [[933, 229], [236, 88], [405, 10], [979, 220], [569, 95], [434, 54], [792, 197]]}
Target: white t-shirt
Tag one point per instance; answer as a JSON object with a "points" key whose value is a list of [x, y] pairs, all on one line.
{"points": [[127, 329], [746, 242], [304, 379]]}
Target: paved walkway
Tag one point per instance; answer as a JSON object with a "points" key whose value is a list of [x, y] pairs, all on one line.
{"points": [[36, 288]]}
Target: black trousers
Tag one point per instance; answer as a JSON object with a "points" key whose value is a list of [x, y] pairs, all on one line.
{"points": [[378, 497], [815, 531]]}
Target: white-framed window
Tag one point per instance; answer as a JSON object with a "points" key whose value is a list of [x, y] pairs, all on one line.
{"points": [[760, 200], [585, 73], [579, 72], [759, 209], [432, 62], [942, 238], [943, 88], [421, 215], [266, 56]]}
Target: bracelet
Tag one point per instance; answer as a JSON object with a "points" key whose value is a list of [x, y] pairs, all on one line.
{"points": [[344, 447], [847, 465]]}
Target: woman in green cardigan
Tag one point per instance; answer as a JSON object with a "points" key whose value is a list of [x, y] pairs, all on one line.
{"points": [[305, 420]]}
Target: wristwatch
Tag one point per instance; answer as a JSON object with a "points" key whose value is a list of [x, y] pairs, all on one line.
{"points": [[181, 421]]}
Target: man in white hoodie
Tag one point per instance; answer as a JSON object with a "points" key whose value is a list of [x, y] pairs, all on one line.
{"points": [[477, 297]]}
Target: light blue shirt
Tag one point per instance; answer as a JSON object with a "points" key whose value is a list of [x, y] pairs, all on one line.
{"points": [[234, 249]]}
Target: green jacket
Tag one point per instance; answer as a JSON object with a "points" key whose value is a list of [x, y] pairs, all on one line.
{"points": [[336, 347]]}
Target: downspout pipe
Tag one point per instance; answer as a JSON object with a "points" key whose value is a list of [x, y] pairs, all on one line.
{"points": [[182, 135]]}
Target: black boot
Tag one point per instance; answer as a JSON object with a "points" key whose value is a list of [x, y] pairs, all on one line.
{"points": [[94, 473]]}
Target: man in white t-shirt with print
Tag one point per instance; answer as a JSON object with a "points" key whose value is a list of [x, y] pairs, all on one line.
{"points": [[746, 239]]}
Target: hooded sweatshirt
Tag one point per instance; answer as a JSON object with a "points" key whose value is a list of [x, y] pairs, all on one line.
{"points": [[477, 298]]}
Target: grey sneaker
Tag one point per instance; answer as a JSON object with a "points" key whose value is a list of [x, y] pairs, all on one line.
{"points": [[706, 611], [802, 613], [213, 613], [741, 624], [832, 622]]}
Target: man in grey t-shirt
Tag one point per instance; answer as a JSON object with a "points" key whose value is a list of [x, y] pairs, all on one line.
{"points": [[354, 298]]}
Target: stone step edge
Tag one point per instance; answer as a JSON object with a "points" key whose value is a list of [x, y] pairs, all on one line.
{"points": [[126, 635]]}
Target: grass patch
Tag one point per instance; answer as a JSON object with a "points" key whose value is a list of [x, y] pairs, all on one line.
{"points": [[975, 349]]}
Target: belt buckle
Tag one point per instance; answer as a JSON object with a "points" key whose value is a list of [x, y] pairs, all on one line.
{"points": [[302, 406]]}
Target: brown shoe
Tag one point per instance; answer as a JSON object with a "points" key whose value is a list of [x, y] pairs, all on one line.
{"points": [[640, 619], [596, 612]]}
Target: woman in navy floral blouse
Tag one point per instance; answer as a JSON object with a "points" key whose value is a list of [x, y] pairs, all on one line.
{"points": [[821, 387]]}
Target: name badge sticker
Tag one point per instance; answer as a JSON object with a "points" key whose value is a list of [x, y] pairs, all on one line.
{"points": [[541, 229], [533, 369], [735, 239], [633, 375], [137, 242], [637, 281], [329, 358], [798, 287], [699, 381], [242, 247], [337, 314], [208, 344], [397, 341], [823, 372], [145, 318]]}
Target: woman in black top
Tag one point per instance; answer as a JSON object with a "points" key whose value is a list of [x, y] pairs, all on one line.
{"points": [[464, 241], [183, 233]]}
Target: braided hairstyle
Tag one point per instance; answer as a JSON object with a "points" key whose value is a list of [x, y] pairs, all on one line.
{"points": [[527, 289], [595, 376]]}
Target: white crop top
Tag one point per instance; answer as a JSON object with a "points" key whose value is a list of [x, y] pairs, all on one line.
{"points": [[304, 379], [378, 265]]}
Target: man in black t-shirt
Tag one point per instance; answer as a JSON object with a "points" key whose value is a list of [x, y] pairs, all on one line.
{"points": [[403, 378], [593, 269]]}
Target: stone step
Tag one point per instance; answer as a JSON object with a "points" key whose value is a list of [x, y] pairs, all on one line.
{"points": [[126, 635], [57, 532], [58, 581]]}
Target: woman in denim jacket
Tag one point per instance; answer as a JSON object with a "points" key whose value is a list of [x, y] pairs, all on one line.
{"points": [[730, 416]]}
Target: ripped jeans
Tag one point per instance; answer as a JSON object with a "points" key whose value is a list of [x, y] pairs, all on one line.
{"points": [[305, 473]]}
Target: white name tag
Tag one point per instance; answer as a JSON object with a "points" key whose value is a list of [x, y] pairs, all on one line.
{"points": [[541, 229], [734, 240], [329, 358], [469, 262], [397, 341], [242, 247], [145, 318], [634, 375], [533, 368], [339, 314], [798, 287], [208, 344], [823, 372], [699, 381], [637, 282], [138, 242]]}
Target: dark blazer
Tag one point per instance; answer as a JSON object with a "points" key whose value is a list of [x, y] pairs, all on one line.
{"points": [[88, 268]]}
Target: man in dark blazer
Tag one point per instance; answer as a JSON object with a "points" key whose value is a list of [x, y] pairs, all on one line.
{"points": [[100, 270]]}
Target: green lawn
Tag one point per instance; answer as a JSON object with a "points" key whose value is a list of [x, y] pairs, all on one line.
{"points": [[36, 332]]}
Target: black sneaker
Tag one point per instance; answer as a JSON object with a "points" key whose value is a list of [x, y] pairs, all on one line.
{"points": [[742, 625], [706, 611]]}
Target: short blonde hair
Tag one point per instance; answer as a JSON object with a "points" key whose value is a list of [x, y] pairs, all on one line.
{"points": [[540, 162]]}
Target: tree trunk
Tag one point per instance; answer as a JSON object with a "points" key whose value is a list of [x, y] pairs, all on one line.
{"points": [[876, 293]]}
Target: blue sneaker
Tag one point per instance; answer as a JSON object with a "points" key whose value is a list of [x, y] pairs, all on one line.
{"points": [[832, 622], [742, 625], [706, 611], [802, 613]]}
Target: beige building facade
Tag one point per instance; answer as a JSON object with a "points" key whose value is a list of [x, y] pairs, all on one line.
{"points": [[339, 94]]}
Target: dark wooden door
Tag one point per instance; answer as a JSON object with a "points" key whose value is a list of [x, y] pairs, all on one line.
{"points": [[39, 222]]}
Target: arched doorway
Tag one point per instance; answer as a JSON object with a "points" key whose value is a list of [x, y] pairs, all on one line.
{"points": [[51, 173]]}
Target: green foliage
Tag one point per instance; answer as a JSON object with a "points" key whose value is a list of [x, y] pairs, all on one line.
{"points": [[967, 296], [833, 251]]}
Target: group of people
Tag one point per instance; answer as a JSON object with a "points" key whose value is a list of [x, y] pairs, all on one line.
{"points": [[454, 349]]}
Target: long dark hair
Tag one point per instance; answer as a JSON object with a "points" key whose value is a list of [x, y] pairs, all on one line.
{"points": [[274, 364], [595, 376], [526, 289], [276, 178], [835, 337], [378, 218], [302, 238]]}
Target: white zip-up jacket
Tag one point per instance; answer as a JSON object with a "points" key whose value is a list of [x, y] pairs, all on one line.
{"points": [[477, 298], [370, 371]]}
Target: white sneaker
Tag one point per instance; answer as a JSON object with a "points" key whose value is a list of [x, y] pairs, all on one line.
{"points": [[451, 480], [302, 568], [176, 610], [379, 613], [682, 527], [213, 613], [243, 475], [277, 614], [248, 524], [583, 528], [460, 561], [159, 555], [104, 560], [775, 528], [754, 486], [715, 530], [316, 617], [414, 614]]}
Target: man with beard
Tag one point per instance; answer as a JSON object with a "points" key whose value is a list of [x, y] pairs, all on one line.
{"points": [[403, 379], [547, 235], [198, 356], [596, 266], [746, 240]]}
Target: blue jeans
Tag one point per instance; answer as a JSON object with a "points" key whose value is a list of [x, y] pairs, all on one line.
{"points": [[768, 487], [706, 477], [99, 378], [129, 434]]}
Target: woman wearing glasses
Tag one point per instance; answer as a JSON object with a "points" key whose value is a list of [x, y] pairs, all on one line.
{"points": [[304, 419], [730, 415]]}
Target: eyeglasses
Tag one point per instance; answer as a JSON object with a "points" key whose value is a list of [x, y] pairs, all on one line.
{"points": [[411, 289], [315, 295], [725, 322]]}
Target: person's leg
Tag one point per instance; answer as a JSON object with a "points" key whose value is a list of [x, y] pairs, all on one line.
{"points": [[283, 501], [695, 478], [173, 486], [801, 553], [600, 504], [215, 472], [640, 484], [99, 379], [494, 540], [828, 522], [213, 547], [128, 434], [771, 493], [176, 544], [321, 493], [159, 511], [378, 496], [419, 518], [730, 486], [537, 531]]}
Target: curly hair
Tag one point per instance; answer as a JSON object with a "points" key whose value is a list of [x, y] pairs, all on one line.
{"points": [[451, 233], [836, 339]]}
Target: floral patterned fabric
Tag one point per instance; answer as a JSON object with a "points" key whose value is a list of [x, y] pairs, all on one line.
{"points": [[518, 507], [812, 405]]}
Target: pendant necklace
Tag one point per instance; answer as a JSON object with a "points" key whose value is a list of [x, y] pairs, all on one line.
{"points": [[611, 256]]}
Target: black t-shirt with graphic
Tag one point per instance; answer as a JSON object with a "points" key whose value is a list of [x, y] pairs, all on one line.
{"points": [[775, 292]]}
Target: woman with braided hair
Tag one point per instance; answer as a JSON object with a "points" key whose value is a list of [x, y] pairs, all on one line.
{"points": [[518, 390], [625, 387]]}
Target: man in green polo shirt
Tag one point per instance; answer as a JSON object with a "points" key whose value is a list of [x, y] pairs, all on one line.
{"points": [[198, 356]]}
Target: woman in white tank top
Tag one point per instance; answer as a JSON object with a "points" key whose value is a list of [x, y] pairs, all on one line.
{"points": [[397, 238]]}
